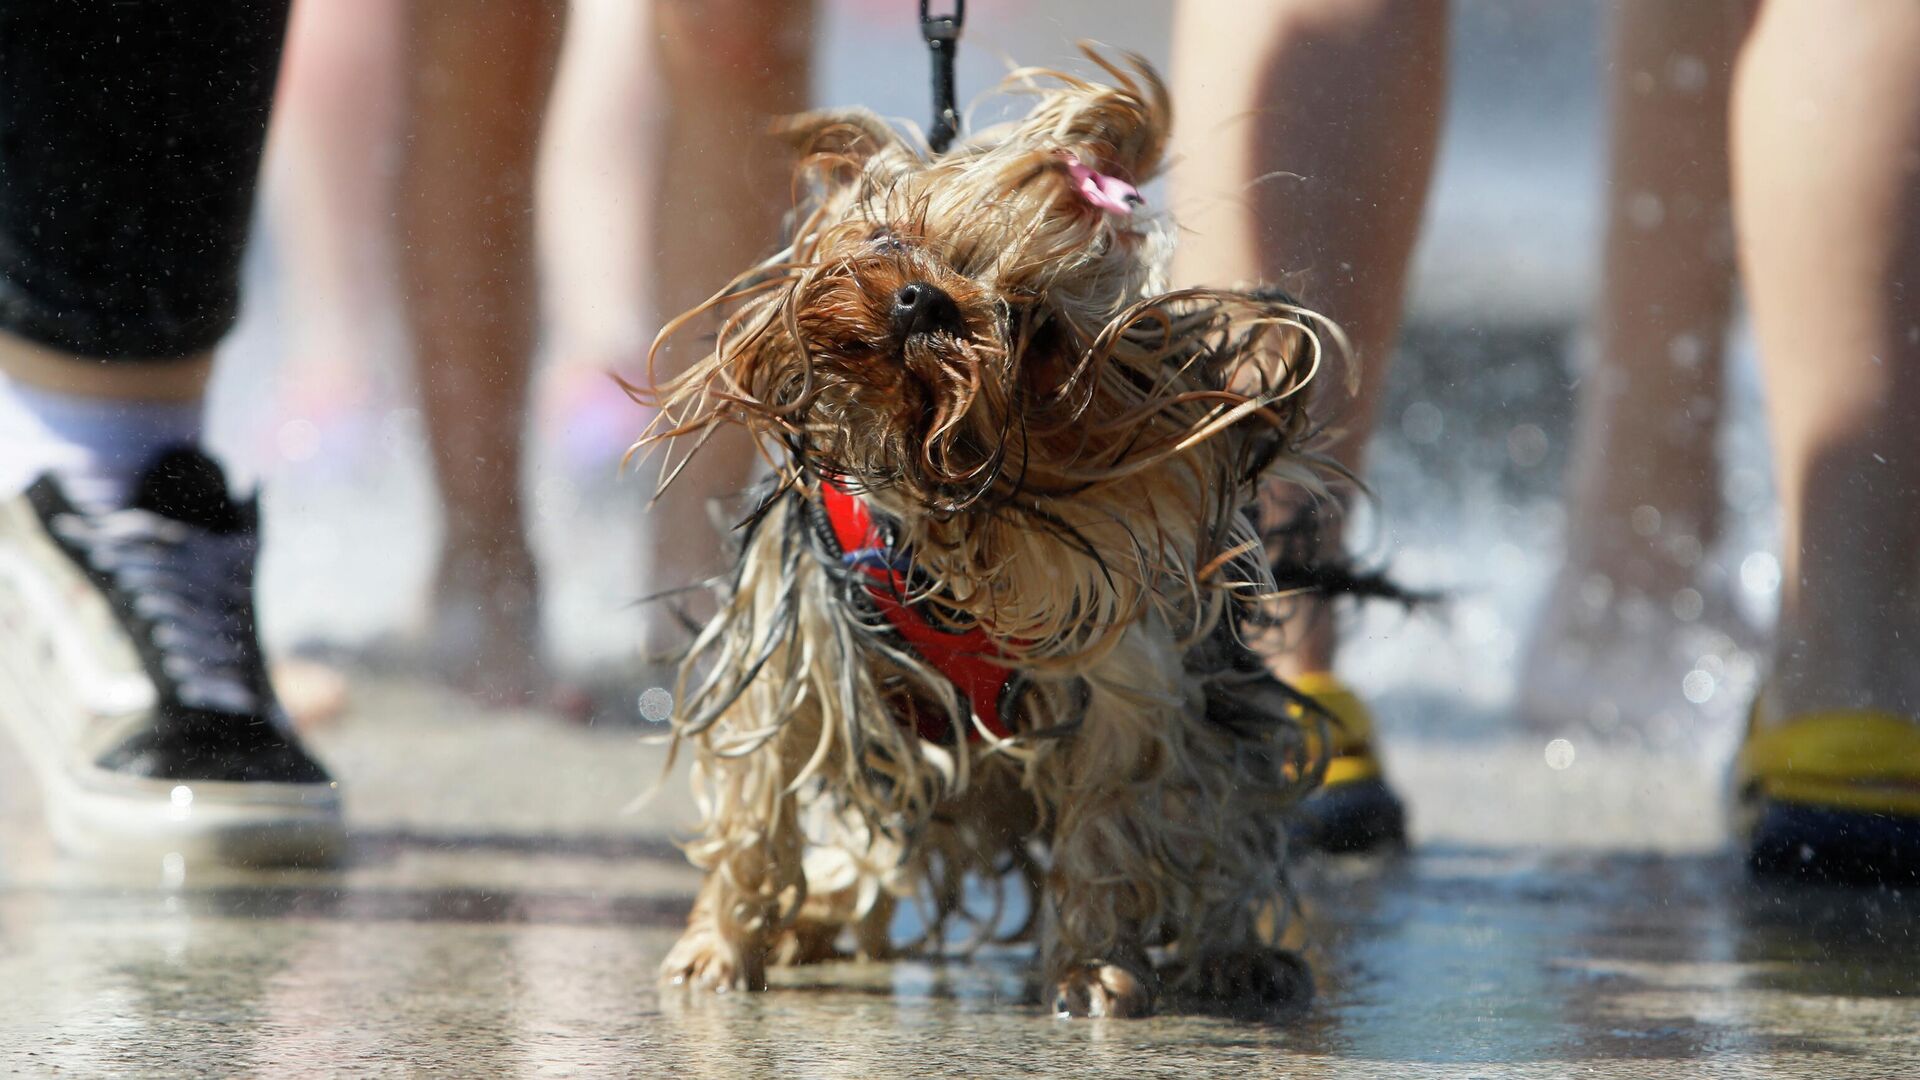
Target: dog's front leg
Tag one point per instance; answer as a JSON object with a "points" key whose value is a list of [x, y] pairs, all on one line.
{"points": [[752, 859], [727, 939], [1094, 956], [1107, 880]]}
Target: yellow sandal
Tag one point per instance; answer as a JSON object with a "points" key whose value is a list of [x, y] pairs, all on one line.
{"points": [[1832, 794], [1355, 809]]}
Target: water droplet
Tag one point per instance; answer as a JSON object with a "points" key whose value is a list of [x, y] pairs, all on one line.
{"points": [[173, 870], [1423, 423], [1684, 548], [1697, 686], [1639, 613], [1687, 74], [1559, 754], [1742, 667], [1645, 211], [1760, 574], [656, 704], [182, 795], [1746, 487], [1527, 445], [1688, 604], [1596, 591], [1686, 351], [1645, 520]]}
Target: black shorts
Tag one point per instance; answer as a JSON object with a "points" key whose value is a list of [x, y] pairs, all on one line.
{"points": [[130, 141]]}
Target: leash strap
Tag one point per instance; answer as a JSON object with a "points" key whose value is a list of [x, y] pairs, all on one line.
{"points": [[942, 33]]}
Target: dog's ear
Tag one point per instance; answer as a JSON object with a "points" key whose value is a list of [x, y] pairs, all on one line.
{"points": [[854, 134]]}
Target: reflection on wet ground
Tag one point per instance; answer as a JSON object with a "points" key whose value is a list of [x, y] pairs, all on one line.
{"points": [[526, 943]]}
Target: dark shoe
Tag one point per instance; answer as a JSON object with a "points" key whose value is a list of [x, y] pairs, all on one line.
{"points": [[1832, 796], [1354, 810]]}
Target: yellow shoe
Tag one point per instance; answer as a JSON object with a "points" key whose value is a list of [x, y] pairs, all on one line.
{"points": [[1354, 809], [1832, 794]]}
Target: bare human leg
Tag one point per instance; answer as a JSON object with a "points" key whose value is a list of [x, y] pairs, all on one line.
{"points": [[1633, 609], [480, 77], [1826, 154], [595, 184], [1304, 161], [329, 179], [727, 68]]}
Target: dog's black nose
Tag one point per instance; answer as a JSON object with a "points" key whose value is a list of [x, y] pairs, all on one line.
{"points": [[920, 308]]}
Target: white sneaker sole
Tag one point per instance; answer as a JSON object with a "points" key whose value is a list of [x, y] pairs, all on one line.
{"points": [[250, 824], [97, 813]]}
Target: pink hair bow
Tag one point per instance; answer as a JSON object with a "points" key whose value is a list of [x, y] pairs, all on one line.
{"points": [[1108, 193]]}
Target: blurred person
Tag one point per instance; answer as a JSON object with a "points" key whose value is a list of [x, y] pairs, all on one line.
{"points": [[478, 77], [333, 152], [131, 672], [595, 207], [401, 178], [1826, 183], [330, 154], [726, 67], [133, 668], [1825, 172], [1639, 602], [1304, 159]]}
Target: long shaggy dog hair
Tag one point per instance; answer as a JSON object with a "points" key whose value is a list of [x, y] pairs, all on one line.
{"points": [[1055, 458]]}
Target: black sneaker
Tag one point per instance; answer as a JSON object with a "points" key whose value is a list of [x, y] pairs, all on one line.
{"points": [[131, 675]]}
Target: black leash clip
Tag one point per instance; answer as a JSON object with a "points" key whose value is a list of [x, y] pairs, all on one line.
{"points": [[942, 33]]}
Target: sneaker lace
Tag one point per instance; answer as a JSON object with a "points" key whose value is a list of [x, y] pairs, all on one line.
{"points": [[191, 587]]}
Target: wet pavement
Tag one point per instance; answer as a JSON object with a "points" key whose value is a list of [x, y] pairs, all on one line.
{"points": [[502, 915]]}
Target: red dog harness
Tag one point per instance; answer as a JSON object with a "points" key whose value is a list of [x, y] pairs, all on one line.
{"points": [[965, 657]]}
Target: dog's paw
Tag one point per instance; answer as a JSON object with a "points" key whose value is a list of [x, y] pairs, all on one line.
{"points": [[1103, 989], [809, 943], [1252, 981], [703, 960]]}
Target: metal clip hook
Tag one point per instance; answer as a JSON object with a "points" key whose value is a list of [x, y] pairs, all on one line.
{"points": [[942, 34]]}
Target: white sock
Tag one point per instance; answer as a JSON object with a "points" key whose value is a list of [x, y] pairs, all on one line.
{"points": [[96, 446]]}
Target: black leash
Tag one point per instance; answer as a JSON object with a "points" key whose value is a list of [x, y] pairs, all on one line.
{"points": [[943, 37]]}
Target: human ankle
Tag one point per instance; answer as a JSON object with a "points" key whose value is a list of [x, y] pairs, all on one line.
{"points": [[1836, 655]]}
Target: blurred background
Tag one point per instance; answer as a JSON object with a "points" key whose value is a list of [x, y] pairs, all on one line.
{"points": [[316, 398]]}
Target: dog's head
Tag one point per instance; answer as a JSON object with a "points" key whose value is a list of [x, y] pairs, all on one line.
{"points": [[988, 326]]}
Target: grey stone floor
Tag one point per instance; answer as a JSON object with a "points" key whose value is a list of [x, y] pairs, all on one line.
{"points": [[501, 915]]}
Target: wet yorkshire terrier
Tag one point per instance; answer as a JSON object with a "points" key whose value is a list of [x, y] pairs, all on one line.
{"points": [[992, 614]]}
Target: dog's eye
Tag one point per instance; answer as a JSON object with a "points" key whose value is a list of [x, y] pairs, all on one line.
{"points": [[887, 240]]}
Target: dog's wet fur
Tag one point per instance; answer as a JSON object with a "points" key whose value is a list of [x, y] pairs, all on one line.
{"points": [[1068, 452]]}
